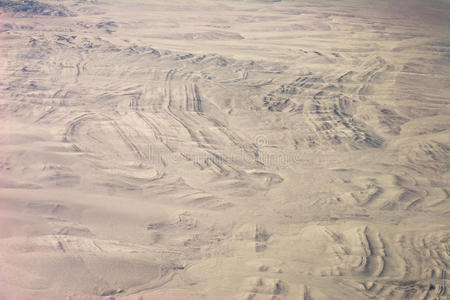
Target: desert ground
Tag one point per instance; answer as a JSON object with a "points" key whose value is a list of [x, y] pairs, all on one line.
{"points": [[220, 149]]}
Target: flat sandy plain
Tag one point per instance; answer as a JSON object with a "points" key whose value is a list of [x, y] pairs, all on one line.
{"points": [[225, 149]]}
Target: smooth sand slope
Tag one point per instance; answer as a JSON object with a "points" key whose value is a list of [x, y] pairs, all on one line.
{"points": [[228, 149]]}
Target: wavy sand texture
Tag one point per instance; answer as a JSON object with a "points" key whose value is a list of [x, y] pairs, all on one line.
{"points": [[224, 149]]}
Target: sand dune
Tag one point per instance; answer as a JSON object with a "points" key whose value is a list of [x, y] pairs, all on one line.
{"points": [[224, 149]]}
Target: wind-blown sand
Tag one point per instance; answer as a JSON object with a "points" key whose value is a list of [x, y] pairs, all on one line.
{"points": [[229, 149]]}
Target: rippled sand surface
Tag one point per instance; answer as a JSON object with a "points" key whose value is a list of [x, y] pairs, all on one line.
{"points": [[226, 149]]}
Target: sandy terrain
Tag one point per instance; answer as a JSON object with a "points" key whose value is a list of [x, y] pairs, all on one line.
{"points": [[226, 149]]}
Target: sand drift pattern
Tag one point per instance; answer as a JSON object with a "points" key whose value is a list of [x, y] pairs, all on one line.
{"points": [[286, 150]]}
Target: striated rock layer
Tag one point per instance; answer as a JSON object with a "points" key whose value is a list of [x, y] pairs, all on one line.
{"points": [[225, 149]]}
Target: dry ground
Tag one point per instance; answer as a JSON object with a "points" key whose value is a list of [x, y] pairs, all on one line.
{"points": [[234, 149]]}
